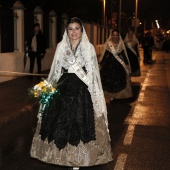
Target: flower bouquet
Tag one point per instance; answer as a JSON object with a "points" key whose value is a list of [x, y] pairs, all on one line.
{"points": [[44, 92]]}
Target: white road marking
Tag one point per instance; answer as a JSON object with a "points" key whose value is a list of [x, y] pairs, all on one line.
{"points": [[141, 96], [129, 135], [121, 160], [146, 80], [143, 87], [120, 163]]}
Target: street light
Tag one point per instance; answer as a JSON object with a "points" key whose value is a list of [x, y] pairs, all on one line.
{"points": [[120, 11], [136, 16], [104, 11]]}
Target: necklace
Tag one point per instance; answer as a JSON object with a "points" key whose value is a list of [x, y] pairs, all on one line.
{"points": [[71, 57], [70, 54], [115, 45], [74, 48]]}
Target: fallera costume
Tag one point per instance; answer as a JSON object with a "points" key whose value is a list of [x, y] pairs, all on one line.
{"points": [[114, 72], [73, 131], [132, 48]]}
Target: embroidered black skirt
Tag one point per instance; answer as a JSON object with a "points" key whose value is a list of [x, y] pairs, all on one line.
{"points": [[70, 116], [113, 75]]}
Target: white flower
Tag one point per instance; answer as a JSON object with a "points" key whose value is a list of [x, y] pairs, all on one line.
{"points": [[49, 85], [44, 87], [35, 87], [45, 83], [39, 89]]}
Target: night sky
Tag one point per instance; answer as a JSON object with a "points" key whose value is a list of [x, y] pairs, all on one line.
{"points": [[91, 10], [149, 9]]}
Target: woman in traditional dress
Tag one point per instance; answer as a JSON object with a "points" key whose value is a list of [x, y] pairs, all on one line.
{"points": [[73, 131], [132, 48], [115, 68]]}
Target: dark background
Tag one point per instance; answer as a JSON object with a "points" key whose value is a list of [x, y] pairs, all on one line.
{"points": [[91, 10]]}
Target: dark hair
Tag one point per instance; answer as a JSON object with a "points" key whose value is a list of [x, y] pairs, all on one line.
{"points": [[115, 30], [75, 20], [130, 29], [36, 25]]}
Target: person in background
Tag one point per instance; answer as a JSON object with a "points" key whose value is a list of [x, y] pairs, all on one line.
{"points": [[147, 45], [166, 44], [115, 69], [132, 48], [73, 130], [36, 48]]}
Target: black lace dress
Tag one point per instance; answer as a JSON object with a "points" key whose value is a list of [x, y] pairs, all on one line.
{"points": [[134, 60], [115, 80], [70, 133], [70, 116], [113, 75]]}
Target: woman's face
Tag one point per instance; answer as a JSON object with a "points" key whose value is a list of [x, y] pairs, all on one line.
{"points": [[37, 29], [74, 31], [115, 36], [130, 34]]}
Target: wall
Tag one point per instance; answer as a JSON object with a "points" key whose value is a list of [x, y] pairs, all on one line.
{"points": [[13, 62], [12, 65]]}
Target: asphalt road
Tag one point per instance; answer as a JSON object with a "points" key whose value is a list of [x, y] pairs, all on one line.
{"points": [[139, 127]]}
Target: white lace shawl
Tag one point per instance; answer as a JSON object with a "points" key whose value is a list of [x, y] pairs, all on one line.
{"points": [[132, 44], [86, 56], [120, 47], [134, 40]]}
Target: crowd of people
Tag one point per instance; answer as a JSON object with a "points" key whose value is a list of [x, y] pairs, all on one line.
{"points": [[73, 130]]}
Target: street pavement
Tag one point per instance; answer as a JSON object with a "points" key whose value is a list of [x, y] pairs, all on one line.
{"points": [[139, 127]]}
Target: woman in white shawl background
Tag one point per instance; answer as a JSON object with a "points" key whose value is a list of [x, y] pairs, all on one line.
{"points": [[73, 131], [115, 69], [132, 48]]}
